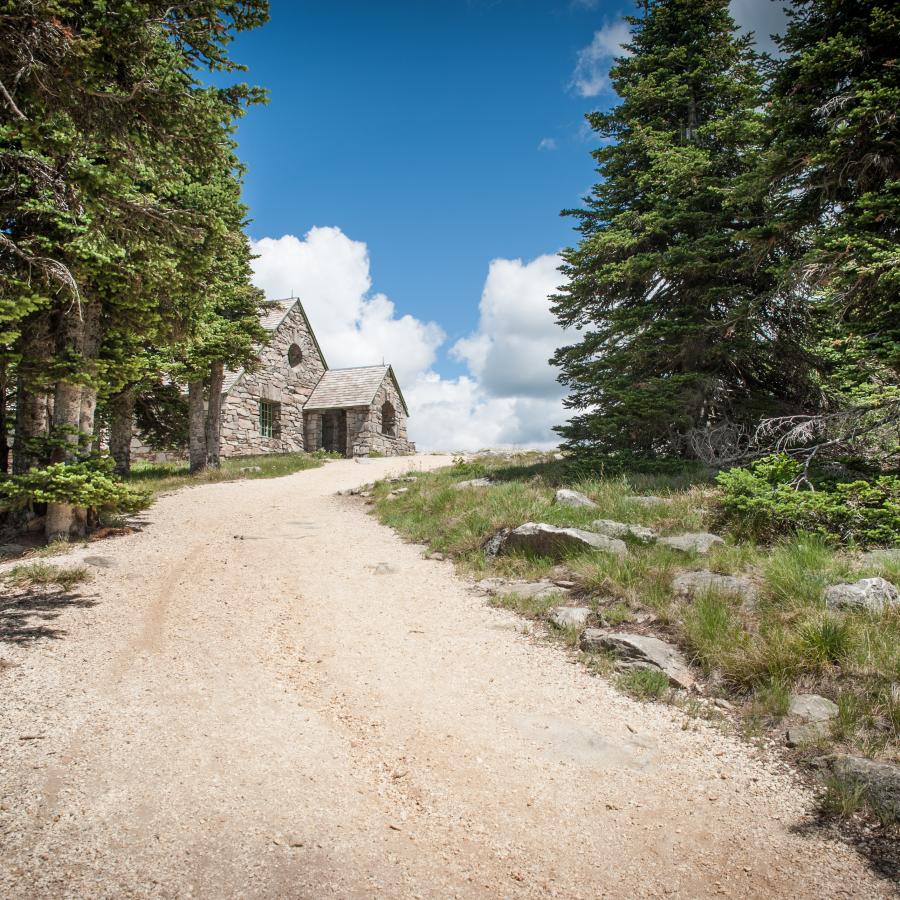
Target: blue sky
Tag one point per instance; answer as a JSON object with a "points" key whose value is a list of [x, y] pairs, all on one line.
{"points": [[437, 137]]}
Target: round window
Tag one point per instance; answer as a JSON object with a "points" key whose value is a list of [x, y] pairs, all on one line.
{"points": [[295, 356]]}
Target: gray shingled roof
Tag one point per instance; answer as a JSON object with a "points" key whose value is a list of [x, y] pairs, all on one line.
{"points": [[276, 311], [343, 388]]}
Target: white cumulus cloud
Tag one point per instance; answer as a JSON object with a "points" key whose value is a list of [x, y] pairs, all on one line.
{"points": [[509, 395], [592, 64]]}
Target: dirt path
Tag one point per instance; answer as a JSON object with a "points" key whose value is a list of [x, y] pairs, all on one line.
{"points": [[267, 694]]}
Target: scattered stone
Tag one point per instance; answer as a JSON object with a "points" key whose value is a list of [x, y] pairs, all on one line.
{"points": [[880, 780], [648, 500], [531, 590], [875, 594], [397, 492], [638, 651], [810, 733], [436, 555], [384, 569], [365, 493], [566, 497], [691, 584], [101, 562], [722, 703], [623, 530], [692, 542], [363, 460], [472, 483], [564, 583], [569, 616], [880, 557], [490, 585], [812, 708], [249, 469], [549, 540]]}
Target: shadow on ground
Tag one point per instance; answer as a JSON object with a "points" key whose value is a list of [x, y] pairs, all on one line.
{"points": [[30, 614]]}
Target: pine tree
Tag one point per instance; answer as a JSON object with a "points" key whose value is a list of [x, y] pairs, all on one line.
{"points": [[834, 163], [683, 328]]}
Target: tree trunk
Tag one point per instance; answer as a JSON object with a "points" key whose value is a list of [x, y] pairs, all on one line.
{"points": [[73, 415], [121, 429], [214, 414], [4, 436], [196, 427], [31, 397]]}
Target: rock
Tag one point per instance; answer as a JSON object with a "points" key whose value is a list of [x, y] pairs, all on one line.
{"points": [[692, 541], [690, 584], [648, 500], [722, 703], [875, 594], [531, 590], [812, 708], [249, 469], [569, 616], [436, 555], [880, 780], [623, 530], [566, 497], [880, 557], [101, 562], [397, 492], [638, 651], [490, 585], [564, 583], [548, 540], [472, 483], [811, 733]]}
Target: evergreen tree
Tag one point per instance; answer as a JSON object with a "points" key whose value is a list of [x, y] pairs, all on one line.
{"points": [[834, 163], [683, 326]]}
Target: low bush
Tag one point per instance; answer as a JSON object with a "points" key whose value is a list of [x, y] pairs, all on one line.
{"points": [[644, 684], [769, 498], [89, 484]]}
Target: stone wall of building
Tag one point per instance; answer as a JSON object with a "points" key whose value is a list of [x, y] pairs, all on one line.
{"points": [[365, 426], [277, 381]]}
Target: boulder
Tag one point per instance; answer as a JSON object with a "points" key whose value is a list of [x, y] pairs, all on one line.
{"points": [[569, 616], [648, 500], [472, 483], [639, 651], [623, 530], [812, 708], [810, 733], [692, 541], [879, 780], [690, 584], [874, 594], [549, 540], [566, 497]]}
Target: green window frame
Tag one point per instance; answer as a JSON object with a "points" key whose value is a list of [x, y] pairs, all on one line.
{"points": [[268, 418]]}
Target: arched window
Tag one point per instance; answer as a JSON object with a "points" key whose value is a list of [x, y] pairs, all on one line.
{"points": [[388, 419], [295, 356]]}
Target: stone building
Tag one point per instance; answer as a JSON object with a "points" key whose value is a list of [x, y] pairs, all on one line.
{"points": [[292, 401]]}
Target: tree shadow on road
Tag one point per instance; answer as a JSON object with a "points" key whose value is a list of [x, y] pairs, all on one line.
{"points": [[31, 613]]}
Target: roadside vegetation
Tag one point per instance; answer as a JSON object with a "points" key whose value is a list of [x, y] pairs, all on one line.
{"points": [[41, 574], [159, 478], [753, 655]]}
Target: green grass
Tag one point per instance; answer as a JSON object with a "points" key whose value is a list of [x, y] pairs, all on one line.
{"points": [[160, 478], [644, 684], [787, 642], [41, 574]]}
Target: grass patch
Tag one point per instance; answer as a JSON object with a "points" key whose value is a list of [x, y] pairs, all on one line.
{"points": [[162, 477], [644, 684], [41, 574]]}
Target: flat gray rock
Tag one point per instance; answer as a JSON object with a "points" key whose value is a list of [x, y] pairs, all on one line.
{"points": [[535, 590], [648, 500], [623, 530], [812, 708], [639, 651], [880, 780], [810, 733], [569, 616], [472, 483], [692, 584], [692, 541], [880, 557], [874, 594], [551, 541], [566, 497]]}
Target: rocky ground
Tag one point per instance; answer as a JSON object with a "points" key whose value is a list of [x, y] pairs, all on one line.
{"points": [[265, 693]]}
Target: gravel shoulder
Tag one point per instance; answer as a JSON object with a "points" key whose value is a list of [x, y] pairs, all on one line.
{"points": [[265, 693]]}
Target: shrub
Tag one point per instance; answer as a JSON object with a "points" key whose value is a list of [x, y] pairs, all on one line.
{"points": [[90, 484], [766, 499], [644, 684]]}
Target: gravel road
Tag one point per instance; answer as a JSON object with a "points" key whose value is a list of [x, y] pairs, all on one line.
{"points": [[265, 693]]}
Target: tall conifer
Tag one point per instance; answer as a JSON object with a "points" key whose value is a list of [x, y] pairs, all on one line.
{"points": [[682, 326]]}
